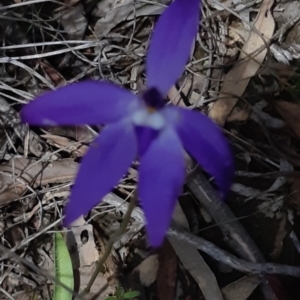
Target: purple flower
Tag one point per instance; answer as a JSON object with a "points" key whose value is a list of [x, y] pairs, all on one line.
{"points": [[140, 126]]}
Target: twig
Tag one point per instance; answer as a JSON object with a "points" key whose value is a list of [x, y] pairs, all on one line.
{"points": [[235, 235], [229, 259]]}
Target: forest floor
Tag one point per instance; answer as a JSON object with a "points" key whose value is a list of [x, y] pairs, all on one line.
{"points": [[243, 73]]}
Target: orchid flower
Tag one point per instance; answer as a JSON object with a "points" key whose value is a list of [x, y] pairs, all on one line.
{"points": [[140, 127]]}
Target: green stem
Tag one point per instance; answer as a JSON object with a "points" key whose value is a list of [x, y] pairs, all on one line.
{"points": [[110, 244]]}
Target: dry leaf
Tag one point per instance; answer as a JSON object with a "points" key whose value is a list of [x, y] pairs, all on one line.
{"points": [[68, 145], [23, 295], [290, 113], [14, 235], [20, 173], [56, 78], [78, 133], [193, 261], [84, 238], [242, 288], [147, 270], [100, 289], [237, 79], [239, 114], [74, 21], [259, 116], [219, 5], [238, 33], [279, 238], [85, 257], [189, 84]]}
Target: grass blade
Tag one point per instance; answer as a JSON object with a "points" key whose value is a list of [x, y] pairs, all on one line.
{"points": [[63, 269]]}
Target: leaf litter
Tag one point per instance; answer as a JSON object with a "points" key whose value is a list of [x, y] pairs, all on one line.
{"points": [[46, 45]]}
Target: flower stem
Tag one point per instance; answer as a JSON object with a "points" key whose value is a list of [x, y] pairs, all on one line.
{"points": [[110, 244]]}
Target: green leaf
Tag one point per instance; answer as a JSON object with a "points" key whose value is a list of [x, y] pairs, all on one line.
{"points": [[63, 269], [131, 294], [111, 298]]}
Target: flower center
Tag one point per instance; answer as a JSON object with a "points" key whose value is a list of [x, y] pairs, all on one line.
{"points": [[153, 99], [149, 115]]}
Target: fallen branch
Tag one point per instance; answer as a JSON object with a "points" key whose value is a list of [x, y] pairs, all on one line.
{"points": [[229, 259]]}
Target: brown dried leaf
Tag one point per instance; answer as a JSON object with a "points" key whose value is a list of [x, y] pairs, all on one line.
{"points": [[20, 173], [14, 235], [67, 144], [238, 33], [242, 288], [78, 133], [100, 289], [193, 261], [74, 21], [56, 78], [290, 113], [147, 270], [239, 114], [237, 79], [189, 84]]}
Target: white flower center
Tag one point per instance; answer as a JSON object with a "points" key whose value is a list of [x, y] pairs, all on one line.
{"points": [[143, 117]]}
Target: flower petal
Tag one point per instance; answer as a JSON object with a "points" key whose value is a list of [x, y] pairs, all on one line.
{"points": [[88, 102], [171, 43], [205, 141], [106, 161], [145, 137], [161, 176]]}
